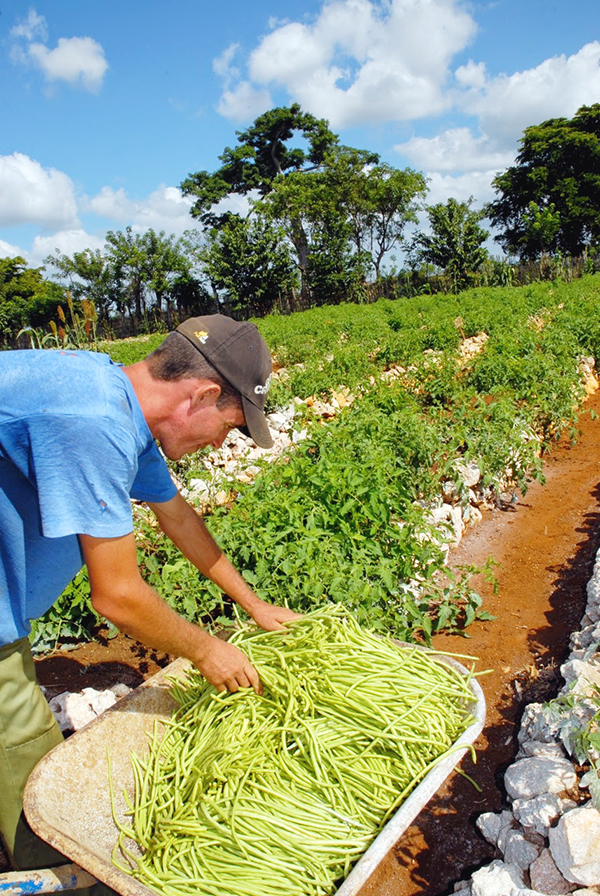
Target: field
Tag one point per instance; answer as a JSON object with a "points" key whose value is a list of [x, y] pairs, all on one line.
{"points": [[411, 427], [544, 543], [491, 378]]}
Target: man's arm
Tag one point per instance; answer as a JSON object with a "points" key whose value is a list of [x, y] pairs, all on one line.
{"points": [[187, 530], [120, 594]]}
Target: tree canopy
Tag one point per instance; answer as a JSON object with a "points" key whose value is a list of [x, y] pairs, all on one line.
{"points": [[266, 149], [455, 243], [549, 200], [339, 208], [26, 297]]}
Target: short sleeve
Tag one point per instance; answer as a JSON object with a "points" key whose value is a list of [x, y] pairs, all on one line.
{"points": [[84, 468], [153, 481]]}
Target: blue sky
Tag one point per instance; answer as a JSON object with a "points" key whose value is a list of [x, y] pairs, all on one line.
{"points": [[106, 107]]}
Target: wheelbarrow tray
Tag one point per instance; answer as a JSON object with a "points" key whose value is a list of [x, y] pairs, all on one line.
{"points": [[67, 798]]}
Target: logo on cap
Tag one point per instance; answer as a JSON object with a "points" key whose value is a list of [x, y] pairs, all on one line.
{"points": [[201, 336], [262, 390]]}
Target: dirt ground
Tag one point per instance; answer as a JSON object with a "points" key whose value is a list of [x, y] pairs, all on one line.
{"points": [[545, 545]]}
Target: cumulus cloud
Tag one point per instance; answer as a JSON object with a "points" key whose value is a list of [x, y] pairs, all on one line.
{"points": [[503, 107], [164, 209], [456, 149], [360, 61], [64, 241], [243, 102], [507, 104], [78, 61], [9, 251], [476, 184], [223, 65], [31, 194]]}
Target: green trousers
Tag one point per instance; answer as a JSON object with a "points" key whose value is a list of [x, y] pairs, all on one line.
{"points": [[28, 730]]}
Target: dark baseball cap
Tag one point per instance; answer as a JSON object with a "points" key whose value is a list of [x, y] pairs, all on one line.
{"points": [[240, 354]]}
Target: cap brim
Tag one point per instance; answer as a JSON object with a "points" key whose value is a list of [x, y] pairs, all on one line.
{"points": [[256, 425]]}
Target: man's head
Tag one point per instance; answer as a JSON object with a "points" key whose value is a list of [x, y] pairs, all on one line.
{"points": [[229, 353]]}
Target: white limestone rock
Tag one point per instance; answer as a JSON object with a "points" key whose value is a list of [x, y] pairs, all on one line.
{"points": [[581, 675], [468, 472], [497, 879], [74, 710], [536, 725], [575, 845]]}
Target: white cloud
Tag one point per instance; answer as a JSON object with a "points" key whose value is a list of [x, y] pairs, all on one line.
{"points": [[76, 60], [503, 106], [79, 61], [164, 209], [361, 61], [34, 26], [9, 251], [244, 102], [30, 193], [559, 86], [476, 184], [65, 241], [223, 64], [455, 150]]}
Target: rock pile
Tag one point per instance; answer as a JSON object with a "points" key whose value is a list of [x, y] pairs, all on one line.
{"points": [[548, 836], [74, 710]]}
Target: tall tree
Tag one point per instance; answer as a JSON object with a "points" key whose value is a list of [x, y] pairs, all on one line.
{"points": [[89, 275], [267, 151], [378, 199], [558, 170], [248, 264], [455, 243], [167, 268], [313, 217]]}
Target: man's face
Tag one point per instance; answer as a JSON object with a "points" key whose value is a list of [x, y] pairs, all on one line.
{"points": [[192, 427]]}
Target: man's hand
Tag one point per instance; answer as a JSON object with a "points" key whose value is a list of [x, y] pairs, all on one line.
{"points": [[120, 594], [271, 617], [227, 668]]}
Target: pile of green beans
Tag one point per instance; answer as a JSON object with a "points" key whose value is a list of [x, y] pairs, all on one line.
{"points": [[247, 795]]}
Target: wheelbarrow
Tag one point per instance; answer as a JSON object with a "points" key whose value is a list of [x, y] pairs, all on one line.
{"points": [[67, 798]]}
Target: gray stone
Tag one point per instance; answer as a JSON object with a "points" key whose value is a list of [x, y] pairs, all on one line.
{"points": [[539, 748], [489, 825], [519, 850], [528, 778], [539, 813]]}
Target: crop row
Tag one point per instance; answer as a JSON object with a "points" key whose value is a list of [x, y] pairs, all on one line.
{"points": [[344, 516]]}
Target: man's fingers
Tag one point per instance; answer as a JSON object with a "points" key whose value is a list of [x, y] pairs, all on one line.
{"points": [[253, 679], [247, 678]]}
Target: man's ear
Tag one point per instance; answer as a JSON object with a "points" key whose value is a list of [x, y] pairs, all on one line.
{"points": [[205, 394]]}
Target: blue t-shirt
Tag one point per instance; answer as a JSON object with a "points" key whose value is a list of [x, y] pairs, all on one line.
{"points": [[74, 450]]}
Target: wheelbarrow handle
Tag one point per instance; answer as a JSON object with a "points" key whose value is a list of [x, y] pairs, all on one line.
{"points": [[46, 880]]}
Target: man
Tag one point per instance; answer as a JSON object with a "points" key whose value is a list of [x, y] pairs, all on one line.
{"points": [[78, 438]]}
